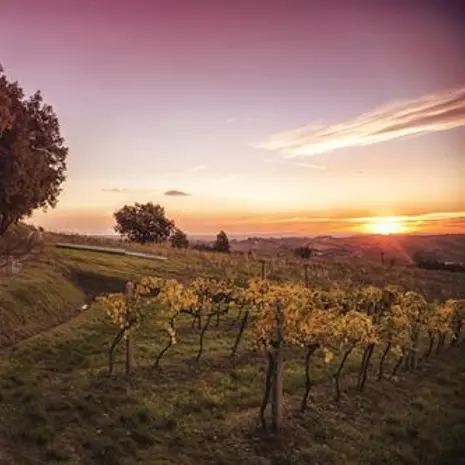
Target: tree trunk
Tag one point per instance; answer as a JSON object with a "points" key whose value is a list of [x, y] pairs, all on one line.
{"points": [[311, 349], [362, 366], [338, 373], [306, 275], [156, 365], [266, 394], [430, 345], [398, 364], [277, 387], [240, 333], [129, 354], [118, 338], [381, 362], [129, 347], [202, 334], [366, 366], [438, 345]]}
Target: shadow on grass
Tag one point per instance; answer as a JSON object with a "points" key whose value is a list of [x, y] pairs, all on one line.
{"points": [[94, 284]]}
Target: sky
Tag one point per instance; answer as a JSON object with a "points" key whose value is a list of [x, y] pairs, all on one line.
{"points": [[260, 117]]}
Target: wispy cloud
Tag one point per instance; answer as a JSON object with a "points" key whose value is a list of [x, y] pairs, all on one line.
{"points": [[176, 193], [224, 179], [431, 113], [194, 169], [423, 219], [310, 166], [115, 190]]}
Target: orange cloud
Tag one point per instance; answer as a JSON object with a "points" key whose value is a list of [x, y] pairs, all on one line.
{"points": [[431, 113]]}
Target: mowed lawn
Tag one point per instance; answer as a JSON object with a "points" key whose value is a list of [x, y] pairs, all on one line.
{"points": [[57, 404]]}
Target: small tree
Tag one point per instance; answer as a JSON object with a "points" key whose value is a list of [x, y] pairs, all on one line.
{"points": [[222, 243], [179, 239], [143, 223], [303, 252], [32, 154]]}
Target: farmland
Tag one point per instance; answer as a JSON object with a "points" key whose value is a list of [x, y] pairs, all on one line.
{"points": [[59, 406]]}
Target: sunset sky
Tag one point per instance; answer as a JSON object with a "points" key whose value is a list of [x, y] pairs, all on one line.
{"points": [[284, 116]]}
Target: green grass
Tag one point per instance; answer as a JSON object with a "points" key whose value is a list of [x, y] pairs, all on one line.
{"points": [[57, 404], [51, 288]]}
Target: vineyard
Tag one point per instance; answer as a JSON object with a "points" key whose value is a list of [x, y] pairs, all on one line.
{"points": [[334, 323], [209, 358]]}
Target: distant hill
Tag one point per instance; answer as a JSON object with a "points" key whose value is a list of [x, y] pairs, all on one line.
{"points": [[401, 248], [447, 247]]}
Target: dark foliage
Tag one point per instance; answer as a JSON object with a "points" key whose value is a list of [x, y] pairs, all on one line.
{"points": [[431, 262], [222, 243], [179, 239], [303, 252], [32, 154], [143, 223]]}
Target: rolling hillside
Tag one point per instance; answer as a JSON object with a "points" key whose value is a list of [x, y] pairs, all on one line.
{"points": [[368, 247], [58, 405]]}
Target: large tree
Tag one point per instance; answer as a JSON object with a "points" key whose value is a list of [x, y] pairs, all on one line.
{"points": [[32, 154], [143, 223]]}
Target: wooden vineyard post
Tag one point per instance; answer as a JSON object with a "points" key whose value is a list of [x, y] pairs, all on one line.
{"points": [[306, 274], [277, 381], [129, 347], [263, 262]]}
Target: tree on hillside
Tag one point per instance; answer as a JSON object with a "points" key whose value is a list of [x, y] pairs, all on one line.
{"points": [[178, 239], [32, 154], [143, 223], [222, 243], [303, 252]]}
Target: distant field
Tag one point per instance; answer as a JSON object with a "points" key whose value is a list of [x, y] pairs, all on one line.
{"points": [[57, 404]]}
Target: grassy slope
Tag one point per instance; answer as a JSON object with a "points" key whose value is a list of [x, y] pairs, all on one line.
{"points": [[50, 289], [57, 405]]}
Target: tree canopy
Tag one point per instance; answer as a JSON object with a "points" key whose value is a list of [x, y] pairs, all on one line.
{"points": [[32, 154], [179, 239], [222, 243], [143, 223], [303, 252]]}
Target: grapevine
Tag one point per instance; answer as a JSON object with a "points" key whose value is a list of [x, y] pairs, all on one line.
{"points": [[334, 321]]}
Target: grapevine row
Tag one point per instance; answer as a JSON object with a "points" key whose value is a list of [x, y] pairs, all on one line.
{"points": [[335, 323]]}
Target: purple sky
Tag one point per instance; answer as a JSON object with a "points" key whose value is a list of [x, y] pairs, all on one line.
{"points": [[183, 95]]}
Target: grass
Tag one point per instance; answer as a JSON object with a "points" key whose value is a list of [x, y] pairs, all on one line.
{"points": [[57, 404]]}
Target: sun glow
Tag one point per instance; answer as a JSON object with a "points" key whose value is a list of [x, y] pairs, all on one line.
{"points": [[385, 226]]}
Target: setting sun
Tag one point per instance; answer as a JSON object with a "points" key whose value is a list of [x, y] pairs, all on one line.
{"points": [[385, 226]]}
